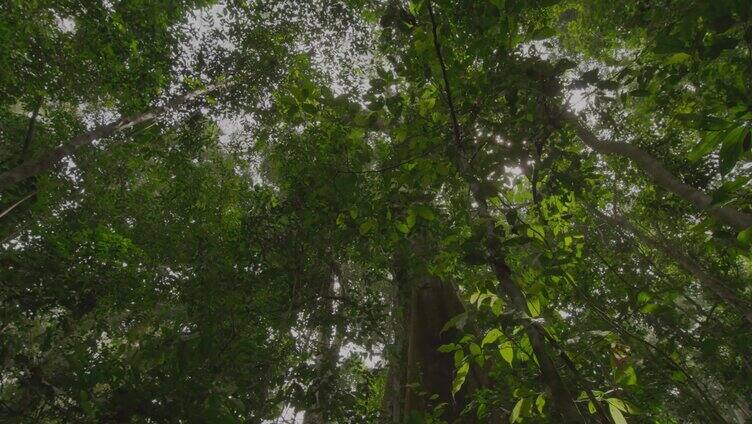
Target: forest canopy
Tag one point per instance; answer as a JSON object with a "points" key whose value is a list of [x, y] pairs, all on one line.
{"points": [[376, 211]]}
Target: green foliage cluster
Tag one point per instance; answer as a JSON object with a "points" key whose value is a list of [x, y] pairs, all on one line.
{"points": [[574, 173]]}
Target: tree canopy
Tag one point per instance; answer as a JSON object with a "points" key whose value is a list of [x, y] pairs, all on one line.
{"points": [[376, 211]]}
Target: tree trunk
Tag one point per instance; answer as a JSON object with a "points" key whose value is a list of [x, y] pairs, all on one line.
{"points": [[326, 359], [707, 280], [417, 369], [658, 173], [508, 288], [562, 398]]}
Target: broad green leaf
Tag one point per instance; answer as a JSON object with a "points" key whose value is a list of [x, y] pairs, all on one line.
{"points": [[507, 352], [675, 58], [649, 308], [459, 378], [497, 307], [402, 227], [540, 402], [410, 221], [446, 348], [732, 148], [474, 349], [616, 414], [628, 376], [745, 237], [426, 213], [491, 336], [366, 227], [709, 141], [533, 304], [516, 411], [617, 403]]}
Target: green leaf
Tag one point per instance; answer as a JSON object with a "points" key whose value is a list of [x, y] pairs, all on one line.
{"points": [[616, 414], [628, 376], [516, 411], [676, 58], [649, 308], [732, 148], [410, 221], [708, 143], [745, 237], [533, 304], [724, 192], [366, 227], [455, 321], [474, 349], [507, 352], [446, 348], [425, 212], [497, 307], [617, 403], [491, 336], [540, 402], [459, 379], [459, 357]]}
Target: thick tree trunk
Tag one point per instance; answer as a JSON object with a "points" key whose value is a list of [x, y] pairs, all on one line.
{"points": [[433, 305], [48, 159], [658, 173], [417, 369]]}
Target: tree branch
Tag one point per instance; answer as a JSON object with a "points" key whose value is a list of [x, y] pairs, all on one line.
{"points": [[658, 173], [46, 160]]}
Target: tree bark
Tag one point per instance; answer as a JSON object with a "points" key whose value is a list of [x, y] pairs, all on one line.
{"points": [[49, 158], [658, 173], [418, 370]]}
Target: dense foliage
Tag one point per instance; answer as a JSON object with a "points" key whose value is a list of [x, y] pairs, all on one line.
{"points": [[366, 211]]}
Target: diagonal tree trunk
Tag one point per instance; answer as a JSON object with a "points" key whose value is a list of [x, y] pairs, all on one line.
{"points": [[49, 158], [562, 398], [707, 280], [658, 173]]}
